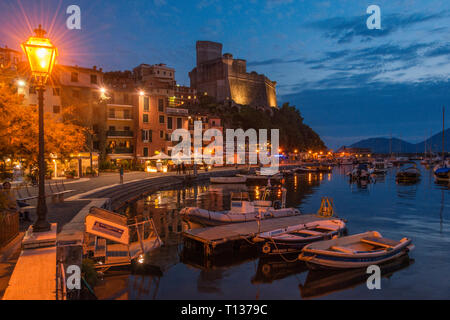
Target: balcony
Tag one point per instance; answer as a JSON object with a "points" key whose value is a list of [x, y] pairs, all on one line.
{"points": [[119, 117], [128, 134], [177, 112], [120, 150]]}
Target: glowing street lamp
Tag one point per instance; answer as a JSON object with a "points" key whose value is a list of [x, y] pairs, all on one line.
{"points": [[41, 55]]}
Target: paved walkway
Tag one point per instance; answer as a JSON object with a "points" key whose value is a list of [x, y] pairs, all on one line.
{"points": [[103, 186]]}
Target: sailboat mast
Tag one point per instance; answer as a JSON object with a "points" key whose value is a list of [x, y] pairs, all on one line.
{"points": [[443, 133]]}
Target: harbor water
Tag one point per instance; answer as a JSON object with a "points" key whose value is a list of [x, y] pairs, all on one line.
{"points": [[420, 211]]}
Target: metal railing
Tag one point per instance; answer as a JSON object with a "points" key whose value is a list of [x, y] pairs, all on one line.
{"points": [[119, 150], [177, 111], [9, 227], [120, 133]]}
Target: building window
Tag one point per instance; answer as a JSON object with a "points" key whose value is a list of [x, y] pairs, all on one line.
{"points": [[169, 123], [56, 109], [126, 114], [147, 135], [161, 134], [179, 123], [56, 92], [93, 79], [145, 152], [74, 77], [146, 104], [112, 128], [126, 129], [161, 105], [145, 118], [112, 113], [161, 119]]}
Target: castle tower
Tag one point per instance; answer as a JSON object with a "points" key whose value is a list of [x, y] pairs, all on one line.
{"points": [[207, 51]]}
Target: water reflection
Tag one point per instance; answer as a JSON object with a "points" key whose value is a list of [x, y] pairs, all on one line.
{"points": [[273, 269], [419, 211], [320, 283]]}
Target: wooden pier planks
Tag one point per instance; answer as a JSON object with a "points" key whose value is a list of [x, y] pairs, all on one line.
{"points": [[235, 231]]}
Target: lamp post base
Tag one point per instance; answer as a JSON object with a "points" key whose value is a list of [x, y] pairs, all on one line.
{"points": [[41, 225]]}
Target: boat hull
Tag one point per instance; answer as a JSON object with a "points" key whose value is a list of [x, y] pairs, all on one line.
{"points": [[322, 257], [228, 180], [206, 217], [288, 242]]}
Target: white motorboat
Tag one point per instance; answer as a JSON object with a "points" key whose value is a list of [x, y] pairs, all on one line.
{"points": [[378, 167], [242, 210], [355, 251]]}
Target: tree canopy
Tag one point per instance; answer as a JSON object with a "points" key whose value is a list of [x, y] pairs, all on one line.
{"points": [[19, 130], [294, 133]]}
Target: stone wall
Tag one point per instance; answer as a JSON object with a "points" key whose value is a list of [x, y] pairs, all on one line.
{"points": [[226, 78]]}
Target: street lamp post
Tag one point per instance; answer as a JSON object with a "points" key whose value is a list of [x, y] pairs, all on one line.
{"points": [[41, 55]]}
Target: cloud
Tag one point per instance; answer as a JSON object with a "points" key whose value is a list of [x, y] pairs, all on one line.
{"points": [[346, 29], [439, 51], [273, 61], [159, 3]]}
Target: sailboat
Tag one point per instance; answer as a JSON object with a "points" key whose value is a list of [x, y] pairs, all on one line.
{"points": [[442, 171]]}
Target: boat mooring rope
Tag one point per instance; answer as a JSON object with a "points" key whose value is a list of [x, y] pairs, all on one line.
{"points": [[280, 254]]}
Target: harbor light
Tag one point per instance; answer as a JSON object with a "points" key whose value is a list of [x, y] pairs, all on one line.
{"points": [[21, 83], [141, 93]]}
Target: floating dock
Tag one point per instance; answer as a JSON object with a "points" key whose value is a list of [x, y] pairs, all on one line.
{"points": [[230, 237]]}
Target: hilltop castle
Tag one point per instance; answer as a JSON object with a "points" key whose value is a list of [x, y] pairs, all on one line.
{"points": [[226, 79]]}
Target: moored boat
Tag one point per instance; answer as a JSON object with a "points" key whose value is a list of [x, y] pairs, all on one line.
{"points": [[294, 238], [442, 172], [242, 210], [226, 180], [355, 251], [360, 172], [408, 174]]}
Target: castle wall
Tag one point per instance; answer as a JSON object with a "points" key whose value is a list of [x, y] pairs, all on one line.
{"points": [[226, 78]]}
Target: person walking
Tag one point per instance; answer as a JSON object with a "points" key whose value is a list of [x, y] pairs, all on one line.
{"points": [[183, 167], [13, 204], [121, 174]]}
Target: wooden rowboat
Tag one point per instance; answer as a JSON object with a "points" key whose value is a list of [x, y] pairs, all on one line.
{"points": [[356, 251]]}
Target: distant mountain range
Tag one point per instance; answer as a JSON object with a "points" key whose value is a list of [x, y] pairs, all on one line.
{"points": [[394, 145]]}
